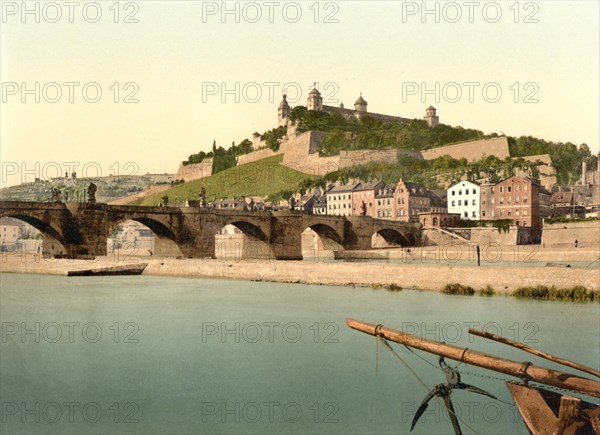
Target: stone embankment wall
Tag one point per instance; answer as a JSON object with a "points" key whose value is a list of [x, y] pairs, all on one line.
{"points": [[565, 234], [195, 170]]}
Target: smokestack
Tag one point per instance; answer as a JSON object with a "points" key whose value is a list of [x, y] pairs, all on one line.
{"points": [[583, 173]]}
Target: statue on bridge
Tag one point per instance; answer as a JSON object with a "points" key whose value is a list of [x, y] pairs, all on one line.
{"points": [[56, 195], [165, 201], [203, 198], [91, 191]]}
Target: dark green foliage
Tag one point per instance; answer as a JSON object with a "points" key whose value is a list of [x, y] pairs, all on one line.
{"points": [[222, 158], [574, 294], [566, 157], [488, 290], [273, 137], [502, 225], [394, 287], [458, 289], [565, 220]]}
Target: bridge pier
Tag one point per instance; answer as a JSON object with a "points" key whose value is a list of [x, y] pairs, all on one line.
{"points": [[286, 236]]}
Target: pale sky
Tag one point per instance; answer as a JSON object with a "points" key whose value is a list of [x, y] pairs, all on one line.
{"points": [[180, 58]]}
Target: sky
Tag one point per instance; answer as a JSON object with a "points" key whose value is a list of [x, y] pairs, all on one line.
{"points": [[136, 87]]}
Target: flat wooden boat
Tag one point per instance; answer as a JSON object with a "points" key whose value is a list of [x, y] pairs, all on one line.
{"points": [[124, 269], [543, 411]]}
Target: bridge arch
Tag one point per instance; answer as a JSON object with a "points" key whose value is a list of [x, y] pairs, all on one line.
{"points": [[320, 240], [251, 243], [392, 237], [165, 240], [53, 240]]}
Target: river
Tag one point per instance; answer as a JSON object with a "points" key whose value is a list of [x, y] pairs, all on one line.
{"points": [[154, 355]]}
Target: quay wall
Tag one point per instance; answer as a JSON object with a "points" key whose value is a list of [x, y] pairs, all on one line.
{"points": [[565, 234]]}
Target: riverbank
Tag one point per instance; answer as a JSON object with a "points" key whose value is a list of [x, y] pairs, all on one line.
{"points": [[422, 276]]}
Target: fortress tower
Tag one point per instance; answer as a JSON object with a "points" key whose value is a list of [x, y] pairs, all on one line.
{"points": [[283, 111], [360, 107], [314, 101], [430, 116]]}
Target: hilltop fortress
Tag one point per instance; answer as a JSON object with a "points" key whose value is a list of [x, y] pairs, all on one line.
{"points": [[300, 150]]}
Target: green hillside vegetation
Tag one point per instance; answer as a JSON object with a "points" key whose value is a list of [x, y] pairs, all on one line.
{"points": [[431, 173], [259, 178], [416, 135]]}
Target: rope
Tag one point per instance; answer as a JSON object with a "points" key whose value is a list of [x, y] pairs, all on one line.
{"points": [[387, 345]]}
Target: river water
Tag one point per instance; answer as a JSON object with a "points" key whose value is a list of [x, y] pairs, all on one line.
{"points": [[174, 355]]}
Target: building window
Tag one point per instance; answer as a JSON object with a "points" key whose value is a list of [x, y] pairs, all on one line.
{"points": [[453, 203], [508, 189], [501, 200], [501, 213], [482, 213], [459, 202], [509, 212], [460, 192], [492, 200], [474, 202], [524, 212], [483, 201], [516, 199], [516, 188], [453, 192], [501, 189], [509, 199], [524, 200], [492, 190], [474, 214], [466, 214], [525, 188], [492, 213], [517, 212]]}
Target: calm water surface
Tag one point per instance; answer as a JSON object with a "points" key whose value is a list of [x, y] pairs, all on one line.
{"points": [[173, 355]]}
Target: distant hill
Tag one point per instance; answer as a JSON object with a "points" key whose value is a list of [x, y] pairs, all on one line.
{"points": [[109, 188], [261, 178]]}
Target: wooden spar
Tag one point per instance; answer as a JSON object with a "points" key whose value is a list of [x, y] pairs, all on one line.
{"points": [[523, 370], [534, 351]]}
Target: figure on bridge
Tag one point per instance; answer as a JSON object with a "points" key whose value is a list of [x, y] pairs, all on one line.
{"points": [[91, 191], [56, 195], [203, 198], [165, 201]]}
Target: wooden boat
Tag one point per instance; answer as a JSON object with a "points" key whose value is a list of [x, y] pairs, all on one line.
{"points": [[543, 411], [125, 269]]}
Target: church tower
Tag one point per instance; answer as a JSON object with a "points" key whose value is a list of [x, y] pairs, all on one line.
{"points": [[283, 111], [430, 116], [315, 101]]}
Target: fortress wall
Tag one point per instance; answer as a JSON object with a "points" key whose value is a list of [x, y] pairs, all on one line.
{"points": [[565, 234], [195, 170], [256, 155], [360, 157], [300, 152], [472, 150]]}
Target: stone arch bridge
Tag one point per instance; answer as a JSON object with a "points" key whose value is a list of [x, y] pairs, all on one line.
{"points": [[81, 230]]}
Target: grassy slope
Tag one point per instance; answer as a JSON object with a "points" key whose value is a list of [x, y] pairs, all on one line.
{"points": [[259, 178]]}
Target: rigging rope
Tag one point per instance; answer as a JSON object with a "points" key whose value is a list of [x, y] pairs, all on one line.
{"points": [[389, 347]]}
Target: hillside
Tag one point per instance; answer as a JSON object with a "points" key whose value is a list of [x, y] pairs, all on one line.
{"points": [[109, 188], [261, 178]]}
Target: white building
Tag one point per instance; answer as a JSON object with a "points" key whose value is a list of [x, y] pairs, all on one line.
{"points": [[465, 198], [339, 200]]}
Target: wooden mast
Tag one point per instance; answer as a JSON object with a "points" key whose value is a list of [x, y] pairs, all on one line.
{"points": [[523, 370]]}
